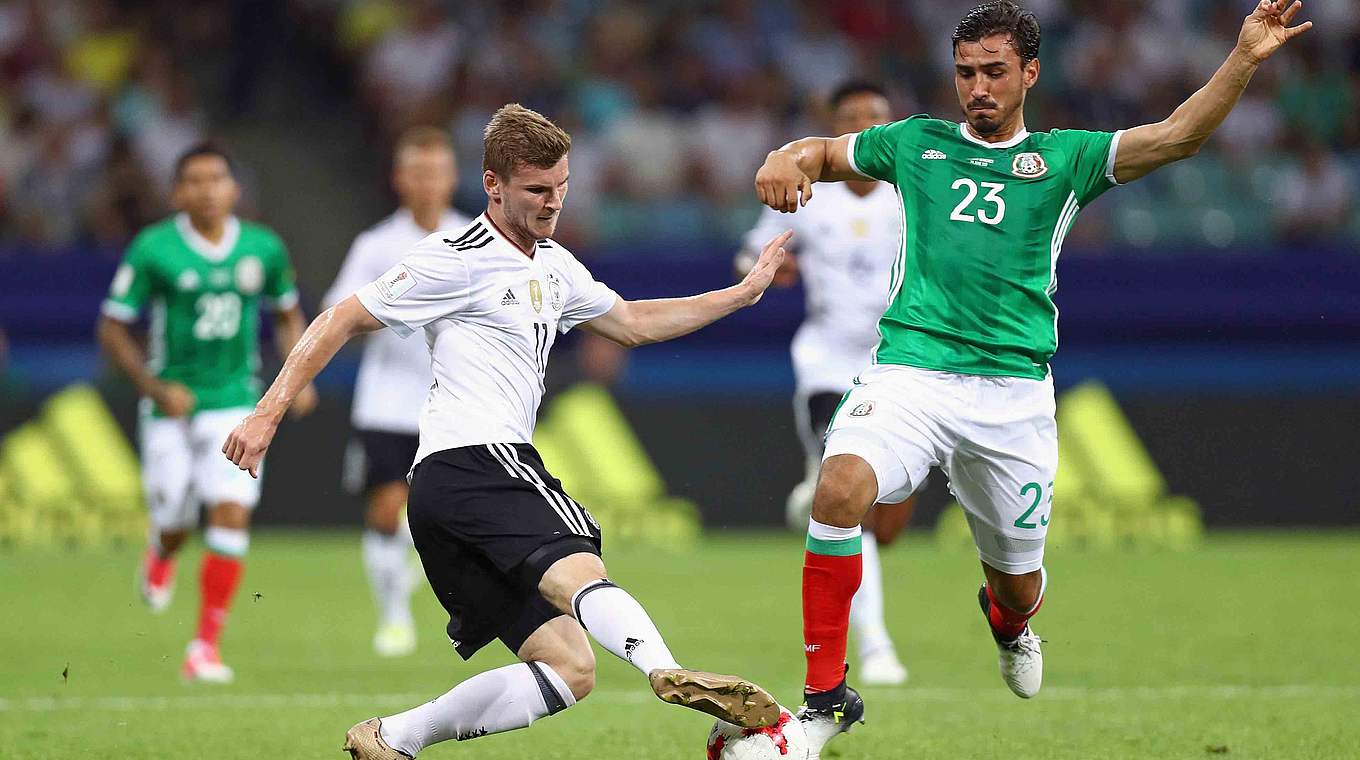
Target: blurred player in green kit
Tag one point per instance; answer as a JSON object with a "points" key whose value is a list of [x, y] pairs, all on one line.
{"points": [[960, 376], [202, 277]]}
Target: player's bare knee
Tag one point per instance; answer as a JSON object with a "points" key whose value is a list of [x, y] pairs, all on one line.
{"points": [[385, 503], [384, 516], [578, 673], [172, 540], [568, 575], [573, 661], [229, 514], [843, 497]]}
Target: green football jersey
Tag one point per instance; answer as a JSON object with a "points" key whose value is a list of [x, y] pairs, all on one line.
{"points": [[971, 291], [204, 304]]}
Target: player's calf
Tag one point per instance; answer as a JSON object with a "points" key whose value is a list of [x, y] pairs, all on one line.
{"points": [[1019, 653], [504, 699]]}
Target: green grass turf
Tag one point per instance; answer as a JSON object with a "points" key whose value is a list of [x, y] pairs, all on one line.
{"points": [[1245, 647]]}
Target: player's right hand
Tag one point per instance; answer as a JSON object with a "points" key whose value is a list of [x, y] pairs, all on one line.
{"points": [[758, 280], [787, 274], [781, 185], [173, 399], [247, 443]]}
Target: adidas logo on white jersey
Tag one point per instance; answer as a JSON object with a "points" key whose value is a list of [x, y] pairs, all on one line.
{"points": [[509, 299], [933, 155]]}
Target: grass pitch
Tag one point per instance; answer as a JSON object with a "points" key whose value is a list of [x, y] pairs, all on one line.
{"points": [[1245, 649]]}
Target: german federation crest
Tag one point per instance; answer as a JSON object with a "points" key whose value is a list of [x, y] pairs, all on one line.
{"points": [[1028, 165], [554, 292]]}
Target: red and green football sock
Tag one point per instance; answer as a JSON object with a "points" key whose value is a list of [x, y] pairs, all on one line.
{"points": [[1006, 623], [832, 570], [218, 578]]}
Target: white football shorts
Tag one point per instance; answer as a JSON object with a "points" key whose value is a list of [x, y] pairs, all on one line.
{"points": [[183, 467], [995, 437]]}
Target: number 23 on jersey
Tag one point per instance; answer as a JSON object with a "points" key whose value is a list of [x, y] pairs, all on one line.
{"points": [[990, 210]]}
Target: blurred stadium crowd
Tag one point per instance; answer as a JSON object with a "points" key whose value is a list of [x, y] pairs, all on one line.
{"points": [[672, 104]]}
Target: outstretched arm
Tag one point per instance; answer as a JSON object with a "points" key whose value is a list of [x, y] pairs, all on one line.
{"points": [[785, 180], [246, 445], [637, 323], [1180, 135]]}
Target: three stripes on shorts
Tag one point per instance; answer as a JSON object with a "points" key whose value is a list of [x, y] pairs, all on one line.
{"points": [[572, 513]]}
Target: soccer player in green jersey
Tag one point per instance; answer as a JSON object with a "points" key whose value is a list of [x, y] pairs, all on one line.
{"points": [[204, 275], [960, 377]]}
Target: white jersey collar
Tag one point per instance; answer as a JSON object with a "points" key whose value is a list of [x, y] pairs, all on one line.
{"points": [[502, 237], [204, 247], [1011, 143]]}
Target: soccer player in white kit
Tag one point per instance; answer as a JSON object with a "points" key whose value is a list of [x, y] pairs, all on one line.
{"points": [[844, 251], [394, 377], [507, 551]]}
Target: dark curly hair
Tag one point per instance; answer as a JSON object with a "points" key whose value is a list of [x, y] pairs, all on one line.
{"points": [[1001, 17]]}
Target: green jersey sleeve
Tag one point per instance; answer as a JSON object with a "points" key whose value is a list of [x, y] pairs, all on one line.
{"points": [[132, 283], [873, 152], [280, 282], [1091, 156]]}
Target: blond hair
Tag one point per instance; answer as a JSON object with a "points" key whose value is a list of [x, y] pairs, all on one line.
{"points": [[518, 136]]}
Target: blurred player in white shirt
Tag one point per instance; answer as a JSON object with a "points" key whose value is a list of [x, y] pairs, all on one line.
{"points": [[394, 378], [844, 251]]}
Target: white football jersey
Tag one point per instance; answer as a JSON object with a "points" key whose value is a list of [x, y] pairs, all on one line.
{"points": [[491, 315], [845, 245], [394, 374]]}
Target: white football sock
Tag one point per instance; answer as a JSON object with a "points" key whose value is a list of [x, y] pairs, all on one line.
{"points": [[615, 619], [866, 609], [498, 700], [389, 576]]}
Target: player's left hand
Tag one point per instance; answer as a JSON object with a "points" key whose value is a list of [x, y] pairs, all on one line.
{"points": [[305, 403], [1267, 28], [758, 280], [247, 443]]}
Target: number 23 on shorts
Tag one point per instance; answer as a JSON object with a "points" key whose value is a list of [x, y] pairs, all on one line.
{"points": [[1034, 493]]}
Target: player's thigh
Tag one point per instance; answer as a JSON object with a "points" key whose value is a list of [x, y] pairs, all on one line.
{"points": [[167, 471], [216, 479], [488, 523], [879, 423], [1004, 482]]}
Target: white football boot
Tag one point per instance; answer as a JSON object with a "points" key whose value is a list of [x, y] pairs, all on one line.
{"points": [[203, 664], [156, 591], [823, 725], [395, 639], [1022, 664], [882, 668], [1021, 661]]}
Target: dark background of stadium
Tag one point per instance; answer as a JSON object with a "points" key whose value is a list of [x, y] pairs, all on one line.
{"points": [[1217, 299]]}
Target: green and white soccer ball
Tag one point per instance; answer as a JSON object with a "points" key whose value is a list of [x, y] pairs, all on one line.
{"points": [[785, 740]]}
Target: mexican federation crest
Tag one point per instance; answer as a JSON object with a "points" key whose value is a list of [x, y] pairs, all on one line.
{"points": [[1028, 165], [249, 275]]}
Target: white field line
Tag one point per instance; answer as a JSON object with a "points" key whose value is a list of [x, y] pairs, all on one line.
{"points": [[622, 696]]}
